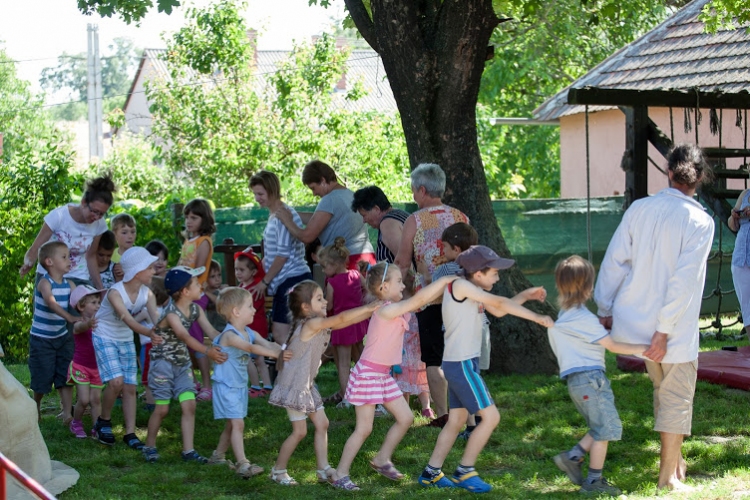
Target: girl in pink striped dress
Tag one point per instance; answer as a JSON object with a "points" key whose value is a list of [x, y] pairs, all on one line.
{"points": [[370, 382]]}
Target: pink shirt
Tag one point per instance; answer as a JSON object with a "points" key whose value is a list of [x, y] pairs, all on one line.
{"points": [[84, 350], [384, 343]]}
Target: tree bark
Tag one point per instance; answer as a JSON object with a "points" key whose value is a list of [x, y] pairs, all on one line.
{"points": [[434, 52]]}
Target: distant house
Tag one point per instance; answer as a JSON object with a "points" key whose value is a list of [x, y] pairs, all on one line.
{"points": [[675, 56], [363, 65]]}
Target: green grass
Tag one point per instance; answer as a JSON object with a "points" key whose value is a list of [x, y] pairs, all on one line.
{"points": [[538, 420]]}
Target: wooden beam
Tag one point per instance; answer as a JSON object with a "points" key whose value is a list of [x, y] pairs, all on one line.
{"points": [[676, 98], [635, 158], [726, 153]]}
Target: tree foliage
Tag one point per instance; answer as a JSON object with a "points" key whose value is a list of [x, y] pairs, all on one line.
{"points": [[725, 14]]}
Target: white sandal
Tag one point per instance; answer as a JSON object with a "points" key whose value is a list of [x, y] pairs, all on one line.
{"points": [[325, 475], [287, 481]]}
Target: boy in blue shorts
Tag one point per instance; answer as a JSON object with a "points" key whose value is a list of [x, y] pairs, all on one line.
{"points": [[464, 304], [579, 340]]}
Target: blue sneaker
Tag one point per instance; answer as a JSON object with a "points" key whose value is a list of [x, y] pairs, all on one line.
{"points": [[472, 482], [439, 481]]}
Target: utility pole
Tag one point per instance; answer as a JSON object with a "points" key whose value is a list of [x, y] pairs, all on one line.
{"points": [[94, 94]]}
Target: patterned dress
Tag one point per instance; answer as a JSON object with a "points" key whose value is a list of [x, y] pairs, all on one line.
{"points": [[428, 243], [413, 376]]}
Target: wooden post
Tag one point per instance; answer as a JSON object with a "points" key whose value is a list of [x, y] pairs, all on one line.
{"points": [[635, 158]]}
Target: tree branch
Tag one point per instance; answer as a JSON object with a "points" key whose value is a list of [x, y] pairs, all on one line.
{"points": [[363, 22]]}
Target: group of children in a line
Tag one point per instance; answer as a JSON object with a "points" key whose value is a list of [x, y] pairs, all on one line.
{"points": [[169, 312]]}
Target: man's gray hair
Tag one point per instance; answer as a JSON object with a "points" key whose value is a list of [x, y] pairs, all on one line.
{"points": [[431, 177]]}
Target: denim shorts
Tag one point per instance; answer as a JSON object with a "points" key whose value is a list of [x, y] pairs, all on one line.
{"points": [[592, 395]]}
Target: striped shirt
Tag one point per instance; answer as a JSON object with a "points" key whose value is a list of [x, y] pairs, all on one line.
{"points": [[382, 252], [279, 242], [45, 322]]}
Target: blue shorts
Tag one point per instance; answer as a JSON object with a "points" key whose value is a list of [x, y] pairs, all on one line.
{"points": [[592, 395], [280, 309], [115, 359], [168, 381], [229, 402], [466, 389], [46, 359]]}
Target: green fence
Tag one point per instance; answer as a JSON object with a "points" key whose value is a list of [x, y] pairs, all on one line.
{"points": [[538, 233]]}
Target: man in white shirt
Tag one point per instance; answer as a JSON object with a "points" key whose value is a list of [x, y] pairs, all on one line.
{"points": [[649, 291]]}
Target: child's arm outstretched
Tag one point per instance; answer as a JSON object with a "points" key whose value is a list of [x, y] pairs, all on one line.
{"points": [[314, 326], [205, 325], [122, 312], [423, 297], [533, 293], [497, 305], [84, 325], [213, 352], [45, 289], [260, 346], [621, 347]]}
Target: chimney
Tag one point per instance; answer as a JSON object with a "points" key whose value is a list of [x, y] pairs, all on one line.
{"points": [[252, 37]]}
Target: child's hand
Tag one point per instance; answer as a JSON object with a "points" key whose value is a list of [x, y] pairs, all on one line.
{"points": [[91, 323], [214, 352], [545, 321], [286, 354], [374, 304], [535, 293], [156, 339], [606, 322], [118, 272]]}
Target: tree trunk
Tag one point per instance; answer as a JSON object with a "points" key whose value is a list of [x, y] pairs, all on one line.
{"points": [[434, 54]]}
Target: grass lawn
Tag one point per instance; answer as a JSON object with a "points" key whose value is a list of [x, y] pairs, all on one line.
{"points": [[538, 420]]}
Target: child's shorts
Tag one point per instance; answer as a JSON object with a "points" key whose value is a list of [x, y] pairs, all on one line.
{"points": [[83, 375], [592, 395], [229, 402], [168, 380], [116, 359], [49, 360], [371, 384], [466, 388]]}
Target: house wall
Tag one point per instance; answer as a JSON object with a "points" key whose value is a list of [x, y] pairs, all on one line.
{"points": [[137, 116], [607, 144]]}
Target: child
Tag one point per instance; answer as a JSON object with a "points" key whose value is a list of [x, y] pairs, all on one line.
{"points": [[579, 341], [464, 303], [123, 227], [159, 250], [170, 375], [83, 372], [230, 378], [162, 298], [370, 382], [114, 345], [51, 345], [212, 289], [104, 259], [248, 270], [197, 251], [343, 292], [295, 389]]}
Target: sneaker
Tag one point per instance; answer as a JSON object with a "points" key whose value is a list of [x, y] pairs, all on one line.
{"points": [[133, 442], [570, 467], [193, 456], [466, 434], [439, 422], [380, 411], [600, 485], [472, 482], [150, 454], [217, 459], [255, 393], [344, 404], [103, 430], [439, 481], [76, 427]]}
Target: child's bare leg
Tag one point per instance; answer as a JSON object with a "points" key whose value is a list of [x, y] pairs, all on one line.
{"points": [[362, 430], [320, 421], [424, 400], [225, 438], [204, 365], [109, 396], [265, 375], [38, 396], [154, 423], [438, 389], [470, 420], [480, 435], [447, 436], [343, 365], [128, 407], [299, 431], [187, 422], [252, 373], [404, 418], [237, 438], [84, 396], [598, 454], [95, 400], [66, 399], [149, 396], [357, 350]]}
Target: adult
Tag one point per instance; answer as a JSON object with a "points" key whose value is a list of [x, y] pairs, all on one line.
{"points": [[283, 255], [372, 204], [649, 291], [79, 226], [332, 217], [739, 222], [421, 241]]}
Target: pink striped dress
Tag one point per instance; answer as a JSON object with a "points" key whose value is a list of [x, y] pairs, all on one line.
{"points": [[370, 381]]}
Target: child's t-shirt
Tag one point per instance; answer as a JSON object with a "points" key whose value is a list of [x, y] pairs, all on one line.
{"points": [[574, 338], [45, 322], [84, 350], [188, 255], [116, 255], [233, 372], [385, 339], [173, 349], [109, 325], [108, 276], [447, 269], [463, 322]]}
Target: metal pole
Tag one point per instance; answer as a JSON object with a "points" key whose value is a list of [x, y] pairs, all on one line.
{"points": [[91, 92], [99, 95]]}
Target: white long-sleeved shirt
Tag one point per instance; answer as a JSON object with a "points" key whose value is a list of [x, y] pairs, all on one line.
{"points": [[652, 276]]}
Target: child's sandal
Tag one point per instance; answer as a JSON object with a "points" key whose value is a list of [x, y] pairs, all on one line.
{"points": [[247, 470], [286, 481], [387, 470], [345, 483], [325, 475]]}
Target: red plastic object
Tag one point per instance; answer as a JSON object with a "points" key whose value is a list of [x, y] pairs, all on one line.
{"points": [[9, 467]]}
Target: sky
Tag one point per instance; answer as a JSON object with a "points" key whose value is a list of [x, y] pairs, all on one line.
{"points": [[44, 29]]}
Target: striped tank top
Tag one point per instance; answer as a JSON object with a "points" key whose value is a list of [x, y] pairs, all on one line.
{"points": [[45, 322]]}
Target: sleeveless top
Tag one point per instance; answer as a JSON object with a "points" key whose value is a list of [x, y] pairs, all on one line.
{"points": [[233, 372], [45, 323], [109, 325], [385, 339], [347, 294], [740, 257], [173, 349], [382, 252], [295, 384], [428, 243], [463, 320], [188, 255]]}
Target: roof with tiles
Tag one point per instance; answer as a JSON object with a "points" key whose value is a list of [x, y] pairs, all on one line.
{"points": [[363, 65], [677, 54]]}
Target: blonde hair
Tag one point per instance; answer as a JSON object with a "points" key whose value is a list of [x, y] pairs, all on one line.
{"points": [[574, 278], [334, 254], [120, 220], [229, 298], [48, 250], [376, 276]]}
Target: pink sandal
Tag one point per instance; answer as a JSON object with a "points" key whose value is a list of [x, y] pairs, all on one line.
{"points": [[204, 395], [387, 470], [345, 483]]}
